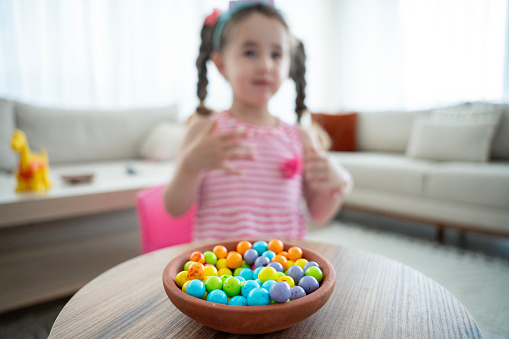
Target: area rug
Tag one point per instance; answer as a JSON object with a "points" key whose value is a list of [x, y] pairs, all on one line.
{"points": [[480, 282]]}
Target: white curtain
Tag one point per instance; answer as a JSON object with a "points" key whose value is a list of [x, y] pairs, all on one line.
{"points": [[412, 54], [99, 54], [362, 54]]}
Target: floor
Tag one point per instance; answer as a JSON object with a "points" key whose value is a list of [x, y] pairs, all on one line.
{"points": [[36, 321], [490, 245]]}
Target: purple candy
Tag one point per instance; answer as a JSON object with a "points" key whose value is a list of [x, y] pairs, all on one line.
{"points": [[296, 272], [297, 292], [309, 284], [280, 292], [250, 256], [309, 264], [277, 266], [261, 261]]}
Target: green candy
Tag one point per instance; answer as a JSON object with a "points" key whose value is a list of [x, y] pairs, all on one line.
{"points": [[213, 283], [186, 266], [231, 286], [315, 272], [210, 257]]}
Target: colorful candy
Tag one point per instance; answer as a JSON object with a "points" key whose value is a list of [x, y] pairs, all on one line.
{"points": [[253, 274], [280, 292]]}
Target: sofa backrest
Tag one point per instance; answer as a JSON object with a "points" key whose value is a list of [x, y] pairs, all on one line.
{"points": [[500, 146], [85, 135], [387, 131], [7, 125]]}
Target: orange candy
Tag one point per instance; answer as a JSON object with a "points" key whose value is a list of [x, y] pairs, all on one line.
{"points": [[284, 254], [276, 245], [294, 253], [198, 257], [220, 251], [234, 260], [243, 246], [196, 271], [282, 260]]}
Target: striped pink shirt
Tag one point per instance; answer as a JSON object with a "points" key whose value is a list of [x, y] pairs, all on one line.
{"points": [[266, 201]]}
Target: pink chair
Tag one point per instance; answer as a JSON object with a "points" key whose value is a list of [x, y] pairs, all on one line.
{"points": [[158, 229]]}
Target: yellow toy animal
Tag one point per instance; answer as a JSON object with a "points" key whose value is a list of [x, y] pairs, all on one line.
{"points": [[33, 171]]}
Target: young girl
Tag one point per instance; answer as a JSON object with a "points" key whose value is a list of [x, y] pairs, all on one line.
{"points": [[247, 170]]}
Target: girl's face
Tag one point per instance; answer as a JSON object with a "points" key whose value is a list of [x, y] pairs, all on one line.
{"points": [[256, 59]]}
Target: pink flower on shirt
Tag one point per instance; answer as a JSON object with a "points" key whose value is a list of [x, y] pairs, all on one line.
{"points": [[291, 167]]}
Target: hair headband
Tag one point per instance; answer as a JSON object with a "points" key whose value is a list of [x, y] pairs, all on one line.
{"points": [[222, 19]]}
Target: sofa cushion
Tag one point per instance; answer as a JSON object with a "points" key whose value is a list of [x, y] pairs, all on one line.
{"points": [[480, 109], [385, 131], [388, 172], [478, 183], [163, 141], [452, 140], [341, 129], [500, 146], [7, 125], [94, 135]]}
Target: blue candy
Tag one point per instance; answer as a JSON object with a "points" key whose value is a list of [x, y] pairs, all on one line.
{"points": [[238, 301], [269, 254], [248, 286], [260, 246], [196, 288], [217, 296], [256, 271], [268, 284], [246, 273], [258, 296]]}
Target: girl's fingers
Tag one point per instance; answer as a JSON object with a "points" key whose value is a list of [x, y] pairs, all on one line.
{"points": [[230, 169], [239, 150], [232, 135]]}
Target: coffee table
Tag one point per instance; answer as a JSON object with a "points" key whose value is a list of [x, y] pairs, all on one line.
{"points": [[374, 297]]}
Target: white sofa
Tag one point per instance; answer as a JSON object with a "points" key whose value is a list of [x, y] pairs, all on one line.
{"points": [[438, 166], [52, 243], [65, 237]]}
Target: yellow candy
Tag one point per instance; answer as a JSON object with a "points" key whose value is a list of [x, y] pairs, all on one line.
{"points": [[288, 279], [280, 274], [221, 263], [181, 278], [210, 271], [224, 271], [184, 287], [205, 295], [290, 263], [267, 273], [301, 262]]}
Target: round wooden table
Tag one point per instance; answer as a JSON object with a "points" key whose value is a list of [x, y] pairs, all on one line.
{"points": [[374, 297]]}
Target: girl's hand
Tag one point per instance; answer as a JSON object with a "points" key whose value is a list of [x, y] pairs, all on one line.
{"points": [[320, 174], [209, 150]]}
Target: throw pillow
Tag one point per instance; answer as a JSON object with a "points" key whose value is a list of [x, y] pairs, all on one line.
{"points": [[341, 128], [454, 138], [163, 141]]}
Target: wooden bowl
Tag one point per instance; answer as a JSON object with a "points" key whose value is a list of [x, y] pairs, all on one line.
{"points": [[248, 319], [76, 179]]}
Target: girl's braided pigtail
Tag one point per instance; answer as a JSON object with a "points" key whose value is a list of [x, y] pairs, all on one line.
{"points": [[297, 74], [207, 32]]}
